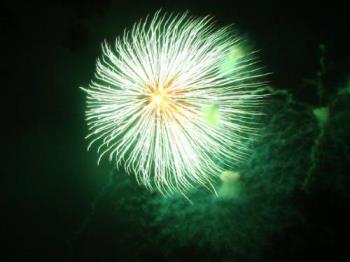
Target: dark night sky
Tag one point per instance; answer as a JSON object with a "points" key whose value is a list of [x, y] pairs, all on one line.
{"points": [[50, 49]]}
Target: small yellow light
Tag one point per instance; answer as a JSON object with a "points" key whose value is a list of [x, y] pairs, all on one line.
{"points": [[157, 99]]}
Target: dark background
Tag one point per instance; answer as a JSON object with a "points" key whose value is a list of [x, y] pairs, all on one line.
{"points": [[49, 50]]}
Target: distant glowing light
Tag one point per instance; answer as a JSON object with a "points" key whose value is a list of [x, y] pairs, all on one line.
{"points": [[322, 115], [230, 187], [234, 55], [229, 176], [212, 115], [173, 101]]}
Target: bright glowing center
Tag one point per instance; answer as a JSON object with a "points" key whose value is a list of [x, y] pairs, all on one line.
{"points": [[159, 99]]}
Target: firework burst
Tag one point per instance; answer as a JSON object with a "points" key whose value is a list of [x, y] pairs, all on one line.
{"points": [[172, 101]]}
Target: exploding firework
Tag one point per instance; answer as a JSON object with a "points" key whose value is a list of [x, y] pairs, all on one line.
{"points": [[172, 101]]}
